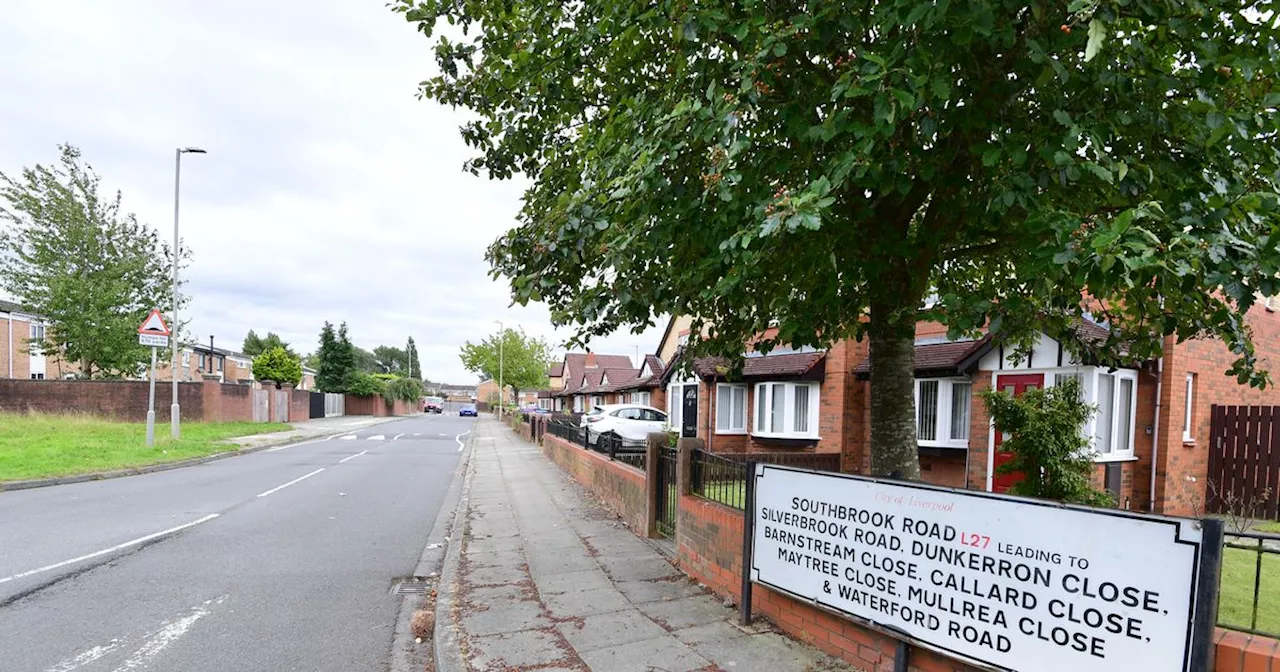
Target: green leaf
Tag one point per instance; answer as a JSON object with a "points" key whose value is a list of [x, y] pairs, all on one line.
{"points": [[1097, 33], [780, 49], [1062, 117], [907, 100]]}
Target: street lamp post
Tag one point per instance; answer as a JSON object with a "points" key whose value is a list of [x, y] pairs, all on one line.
{"points": [[175, 413], [502, 391]]}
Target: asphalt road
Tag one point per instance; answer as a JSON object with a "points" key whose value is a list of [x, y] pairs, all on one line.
{"points": [[279, 560]]}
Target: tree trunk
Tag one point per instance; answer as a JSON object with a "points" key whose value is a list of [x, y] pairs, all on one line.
{"points": [[894, 452]]}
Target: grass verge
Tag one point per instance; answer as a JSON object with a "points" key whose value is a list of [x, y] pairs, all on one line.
{"points": [[44, 446], [1235, 595]]}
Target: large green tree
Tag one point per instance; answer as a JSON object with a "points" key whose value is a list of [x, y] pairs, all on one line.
{"points": [[415, 367], [826, 166], [391, 359], [336, 359], [255, 345], [278, 365], [519, 360], [91, 271]]}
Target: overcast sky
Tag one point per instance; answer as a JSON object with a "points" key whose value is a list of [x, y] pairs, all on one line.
{"points": [[329, 190]]}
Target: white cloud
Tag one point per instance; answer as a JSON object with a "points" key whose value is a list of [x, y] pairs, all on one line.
{"points": [[329, 191]]}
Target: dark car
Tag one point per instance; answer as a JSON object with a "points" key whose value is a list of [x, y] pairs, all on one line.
{"points": [[469, 409]]}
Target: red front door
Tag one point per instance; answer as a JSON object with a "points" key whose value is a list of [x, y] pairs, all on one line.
{"points": [[1014, 384]]}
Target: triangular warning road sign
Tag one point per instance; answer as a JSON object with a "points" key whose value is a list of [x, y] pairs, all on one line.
{"points": [[154, 324]]}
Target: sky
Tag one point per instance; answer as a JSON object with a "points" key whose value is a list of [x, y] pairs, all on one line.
{"points": [[329, 191]]}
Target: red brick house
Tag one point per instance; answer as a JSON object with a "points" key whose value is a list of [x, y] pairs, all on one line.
{"points": [[578, 373], [1152, 419]]}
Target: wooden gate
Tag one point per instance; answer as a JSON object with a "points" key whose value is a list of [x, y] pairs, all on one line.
{"points": [[281, 405], [260, 406], [1244, 460]]}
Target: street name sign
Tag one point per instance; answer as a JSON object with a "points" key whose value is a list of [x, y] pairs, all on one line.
{"points": [[1001, 582]]}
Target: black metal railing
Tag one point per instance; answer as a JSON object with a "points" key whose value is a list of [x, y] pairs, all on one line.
{"points": [[668, 498], [722, 477], [1249, 591], [630, 452]]}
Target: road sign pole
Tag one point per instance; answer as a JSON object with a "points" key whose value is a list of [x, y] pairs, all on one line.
{"points": [[151, 403]]}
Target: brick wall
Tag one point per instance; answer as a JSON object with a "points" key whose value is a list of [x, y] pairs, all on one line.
{"points": [[710, 549], [299, 405], [379, 407], [619, 486], [124, 400]]}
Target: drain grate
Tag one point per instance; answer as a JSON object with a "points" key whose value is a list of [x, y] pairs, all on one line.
{"points": [[413, 585]]}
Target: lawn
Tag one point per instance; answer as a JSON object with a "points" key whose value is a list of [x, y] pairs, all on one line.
{"points": [[1235, 597], [40, 446]]}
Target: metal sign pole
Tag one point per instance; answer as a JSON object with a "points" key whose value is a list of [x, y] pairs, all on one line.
{"points": [[748, 532], [151, 403], [1205, 615]]}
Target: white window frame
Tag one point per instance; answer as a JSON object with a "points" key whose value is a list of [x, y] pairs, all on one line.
{"points": [[641, 398], [1090, 377], [730, 392], [945, 436], [544, 404], [577, 403], [186, 358], [1188, 409], [37, 331], [597, 400], [675, 404], [788, 389]]}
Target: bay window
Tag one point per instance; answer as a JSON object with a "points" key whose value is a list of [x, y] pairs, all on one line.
{"points": [[731, 409], [1115, 395], [786, 410], [943, 406]]}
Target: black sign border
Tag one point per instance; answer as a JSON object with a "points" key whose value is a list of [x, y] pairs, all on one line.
{"points": [[1175, 523]]}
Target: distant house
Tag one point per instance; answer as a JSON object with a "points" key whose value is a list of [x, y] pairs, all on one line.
{"points": [[17, 359], [462, 393], [581, 377]]}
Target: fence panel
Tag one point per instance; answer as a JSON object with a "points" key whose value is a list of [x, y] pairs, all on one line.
{"points": [[1244, 461], [260, 406], [334, 405]]}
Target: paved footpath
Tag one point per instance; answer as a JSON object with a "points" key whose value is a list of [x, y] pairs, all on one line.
{"points": [[545, 579]]}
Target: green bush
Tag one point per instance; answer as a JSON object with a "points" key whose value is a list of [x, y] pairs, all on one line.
{"points": [[1046, 437], [404, 389], [386, 376], [362, 384], [277, 365]]}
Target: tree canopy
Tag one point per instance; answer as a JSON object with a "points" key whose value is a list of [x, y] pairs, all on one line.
{"points": [[278, 365], [415, 367], [90, 271], [390, 359], [520, 360], [255, 345], [824, 167], [336, 359]]}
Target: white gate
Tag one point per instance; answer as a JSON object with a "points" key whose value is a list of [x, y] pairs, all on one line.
{"points": [[334, 404], [260, 406]]}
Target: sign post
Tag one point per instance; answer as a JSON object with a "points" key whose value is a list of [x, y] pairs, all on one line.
{"points": [[1002, 583], [155, 333]]}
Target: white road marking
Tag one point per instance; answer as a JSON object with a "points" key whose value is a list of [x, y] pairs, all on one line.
{"points": [[376, 437], [348, 437], [85, 658], [444, 435], [397, 436], [167, 634], [113, 549], [352, 457], [458, 438], [278, 488]]}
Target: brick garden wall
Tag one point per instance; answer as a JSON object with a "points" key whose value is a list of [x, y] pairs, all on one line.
{"points": [[124, 400], [379, 407], [620, 486]]}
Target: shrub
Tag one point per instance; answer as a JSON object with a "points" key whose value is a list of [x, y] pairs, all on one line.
{"points": [[404, 389], [386, 376], [277, 365], [362, 384], [1046, 437]]}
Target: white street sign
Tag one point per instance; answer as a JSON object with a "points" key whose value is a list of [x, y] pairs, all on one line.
{"points": [[1006, 583], [153, 340]]}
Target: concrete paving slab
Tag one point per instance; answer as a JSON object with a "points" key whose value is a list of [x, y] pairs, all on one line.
{"points": [[510, 618], [607, 630], [648, 655], [585, 602], [526, 648], [569, 582], [685, 612]]}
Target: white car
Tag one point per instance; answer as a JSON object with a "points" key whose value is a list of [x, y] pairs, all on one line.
{"points": [[631, 422]]}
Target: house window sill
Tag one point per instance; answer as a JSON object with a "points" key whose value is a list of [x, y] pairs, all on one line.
{"points": [[942, 444], [1103, 459], [787, 437], [1188, 443], [731, 432]]}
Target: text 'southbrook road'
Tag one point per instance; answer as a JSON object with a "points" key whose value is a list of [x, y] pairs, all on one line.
{"points": [[278, 560]]}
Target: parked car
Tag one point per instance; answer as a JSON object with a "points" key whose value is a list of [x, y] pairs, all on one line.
{"points": [[631, 422], [469, 409], [434, 405]]}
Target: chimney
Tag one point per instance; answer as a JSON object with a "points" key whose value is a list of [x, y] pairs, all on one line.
{"points": [[591, 360]]}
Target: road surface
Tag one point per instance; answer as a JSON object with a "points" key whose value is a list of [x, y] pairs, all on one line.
{"points": [[279, 560]]}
